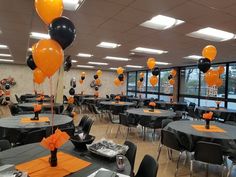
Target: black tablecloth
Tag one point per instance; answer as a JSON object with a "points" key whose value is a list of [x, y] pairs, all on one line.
{"points": [[220, 110], [186, 133], [45, 107], [140, 112], [112, 103], [34, 99], [29, 152]]}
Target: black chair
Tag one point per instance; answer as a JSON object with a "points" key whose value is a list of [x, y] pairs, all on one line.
{"points": [[124, 120], [165, 122], [4, 145], [34, 136], [65, 99], [87, 126], [131, 154], [82, 123], [70, 130], [171, 141], [68, 110], [148, 167], [209, 153], [18, 99]]}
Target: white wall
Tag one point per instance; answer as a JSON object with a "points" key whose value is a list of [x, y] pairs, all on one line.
{"points": [[24, 80]]}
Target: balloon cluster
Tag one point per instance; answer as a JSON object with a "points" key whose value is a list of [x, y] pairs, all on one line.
{"points": [[212, 77], [209, 53], [47, 54], [120, 79], [97, 81], [140, 81], [67, 63], [7, 92], [82, 77], [10, 80], [151, 63], [171, 77]]}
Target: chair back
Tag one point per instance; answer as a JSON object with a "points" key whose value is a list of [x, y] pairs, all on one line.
{"points": [[90, 108], [95, 109], [148, 167], [131, 153], [170, 140], [87, 126], [83, 120], [65, 99], [4, 145], [70, 130], [34, 136], [18, 99], [14, 109], [165, 122], [209, 153], [123, 119]]}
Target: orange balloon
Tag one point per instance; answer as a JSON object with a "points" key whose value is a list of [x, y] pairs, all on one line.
{"points": [[153, 81], [171, 81], [48, 10], [48, 56], [209, 52], [120, 70], [99, 73], [219, 82], [117, 82], [98, 82], [173, 72], [221, 69], [151, 63], [141, 75], [38, 76], [83, 74], [81, 81], [211, 77]]}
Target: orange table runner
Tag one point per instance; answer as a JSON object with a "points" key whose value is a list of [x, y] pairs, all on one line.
{"points": [[28, 120], [120, 102], [155, 111], [213, 128], [66, 165]]}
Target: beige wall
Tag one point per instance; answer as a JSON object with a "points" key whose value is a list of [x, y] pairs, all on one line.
{"points": [[24, 84]]}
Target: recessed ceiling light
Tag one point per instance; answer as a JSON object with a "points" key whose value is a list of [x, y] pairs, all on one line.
{"points": [[74, 61], [113, 68], [133, 66], [5, 55], [161, 22], [97, 63], [193, 57], [117, 58], [3, 46], [212, 34], [132, 53], [162, 63], [5, 60], [85, 66], [36, 35], [149, 51], [108, 45], [86, 55], [72, 5]]}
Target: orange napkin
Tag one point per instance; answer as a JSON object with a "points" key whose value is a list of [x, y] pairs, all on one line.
{"points": [[213, 128], [56, 140], [40, 167], [208, 115], [155, 111], [28, 120]]}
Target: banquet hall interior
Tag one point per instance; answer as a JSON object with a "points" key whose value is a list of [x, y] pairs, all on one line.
{"points": [[128, 88]]}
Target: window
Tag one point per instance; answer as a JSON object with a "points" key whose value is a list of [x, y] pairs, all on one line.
{"points": [[189, 100], [189, 81], [165, 87], [210, 103], [232, 81], [231, 105], [155, 96], [165, 98], [143, 88], [132, 81], [150, 88], [131, 93]]}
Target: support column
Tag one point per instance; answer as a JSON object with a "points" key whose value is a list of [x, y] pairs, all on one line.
{"points": [[60, 86]]}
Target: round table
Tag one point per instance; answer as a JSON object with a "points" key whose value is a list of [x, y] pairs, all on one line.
{"points": [[119, 104], [30, 106], [30, 152], [185, 129], [171, 103], [213, 109], [34, 99], [14, 122], [159, 113], [93, 99]]}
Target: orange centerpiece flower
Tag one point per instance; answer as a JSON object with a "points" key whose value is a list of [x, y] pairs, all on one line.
{"points": [[208, 116], [117, 97], [71, 100], [153, 104], [37, 108]]}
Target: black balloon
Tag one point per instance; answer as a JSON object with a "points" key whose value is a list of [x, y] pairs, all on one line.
{"points": [[7, 98], [96, 88], [7, 86], [67, 63], [72, 91], [95, 76], [141, 79], [170, 77], [82, 78], [155, 72], [63, 31], [204, 64], [30, 62], [121, 77]]}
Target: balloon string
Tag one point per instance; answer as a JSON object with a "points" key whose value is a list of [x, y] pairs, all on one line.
{"points": [[52, 103]]}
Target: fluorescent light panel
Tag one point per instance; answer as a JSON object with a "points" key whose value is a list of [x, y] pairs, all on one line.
{"points": [[86, 55], [72, 5], [74, 61], [108, 45], [113, 68], [6, 60], [116, 58], [5, 55], [193, 57], [148, 50], [36, 35], [85, 66], [212, 34], [162, 63], [133, 66], [161, 22], [97, 63], [3, 46], [30, 49]]}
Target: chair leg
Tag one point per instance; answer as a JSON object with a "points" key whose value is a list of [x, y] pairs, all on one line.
{"points": [[223, 170], [117, 131], [177, 166], [230, 170], [191, 168], [159, 152]]}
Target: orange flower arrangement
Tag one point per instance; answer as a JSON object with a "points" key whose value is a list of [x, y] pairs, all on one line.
{"points": [[96, 94], [71, 100], [153, 104], [208, 116], [37, 108], [117, 97]]}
